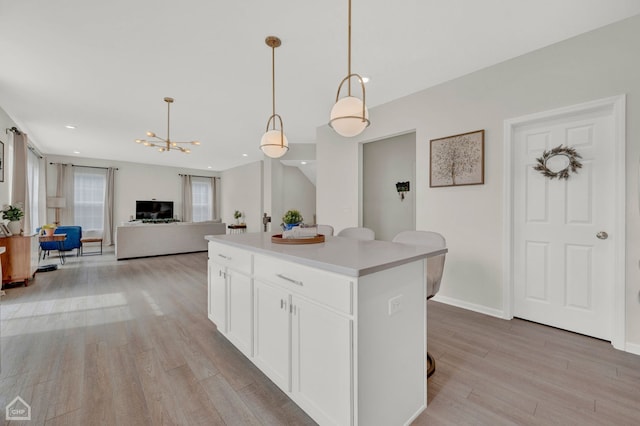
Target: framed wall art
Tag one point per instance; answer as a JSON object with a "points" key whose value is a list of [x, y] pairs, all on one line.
{"points": [[457, 160]]}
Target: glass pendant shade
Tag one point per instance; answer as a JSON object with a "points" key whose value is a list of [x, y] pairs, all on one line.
{"points": [[346, 117], [274, 144]]}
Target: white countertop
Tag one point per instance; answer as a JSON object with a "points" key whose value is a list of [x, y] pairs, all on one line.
{"points": [[337, 254]]}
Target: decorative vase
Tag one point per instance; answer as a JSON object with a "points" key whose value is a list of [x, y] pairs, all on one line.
{"points": [[49, 231], [14, 227], [289, 226]]}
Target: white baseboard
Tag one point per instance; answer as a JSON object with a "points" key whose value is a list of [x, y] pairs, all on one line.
{"points": [[470, 306], [632, 348]]}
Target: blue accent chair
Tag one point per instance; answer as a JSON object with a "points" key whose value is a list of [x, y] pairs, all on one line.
{"points": [[74, 235]]}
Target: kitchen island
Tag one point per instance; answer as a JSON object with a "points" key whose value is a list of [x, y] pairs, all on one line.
{"points": [[339, 326]]}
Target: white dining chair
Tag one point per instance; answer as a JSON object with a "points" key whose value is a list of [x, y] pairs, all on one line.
{"points": [[358, 233], [435, 267], [326, 230]]}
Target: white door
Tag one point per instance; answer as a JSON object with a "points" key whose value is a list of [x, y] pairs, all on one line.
{"points": [[217, 296], [272, 335], [240, 318], [321, 362], [563, 271]]}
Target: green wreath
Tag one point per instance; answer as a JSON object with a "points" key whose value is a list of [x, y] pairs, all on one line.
{"points": [[573, 165]]}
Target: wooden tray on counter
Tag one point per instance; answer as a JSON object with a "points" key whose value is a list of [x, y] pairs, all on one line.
{"points": [[277, 239]]}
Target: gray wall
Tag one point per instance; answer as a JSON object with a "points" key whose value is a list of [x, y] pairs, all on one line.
{"points": [[384, 163]]}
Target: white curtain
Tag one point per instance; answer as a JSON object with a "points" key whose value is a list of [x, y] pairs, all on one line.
{"points": [[108, 207], [215, 197], [187, 199], [65, 189], [36, 192], [20, 184]]}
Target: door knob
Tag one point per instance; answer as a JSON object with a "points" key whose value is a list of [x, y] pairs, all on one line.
{"points": [[602, 235]]}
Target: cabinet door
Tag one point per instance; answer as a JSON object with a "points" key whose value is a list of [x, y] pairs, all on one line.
{"points": [[240, 317], [322, 374], [217, 296], [272, 333]]}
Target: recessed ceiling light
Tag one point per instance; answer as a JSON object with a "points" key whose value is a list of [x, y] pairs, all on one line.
{"points": [[245, 155], [70, 126], [303, 162], [76, 152], [209, 167]]}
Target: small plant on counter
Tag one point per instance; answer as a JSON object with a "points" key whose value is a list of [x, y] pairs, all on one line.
{"points": [[292, 217]]}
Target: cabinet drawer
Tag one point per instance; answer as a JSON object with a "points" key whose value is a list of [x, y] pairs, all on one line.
{"points": [[325, 287], [231, 257]]}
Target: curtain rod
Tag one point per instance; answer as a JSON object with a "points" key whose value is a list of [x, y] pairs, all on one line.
{"points": [[89, 167], [215, 177], [34, 150]]}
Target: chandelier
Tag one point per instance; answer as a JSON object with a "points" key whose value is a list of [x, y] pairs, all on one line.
{"points": [[349, 115], [274, 143], [166, 144]]}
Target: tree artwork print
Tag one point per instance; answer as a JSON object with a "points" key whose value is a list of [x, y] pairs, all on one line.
{"points": [[457, 160]]}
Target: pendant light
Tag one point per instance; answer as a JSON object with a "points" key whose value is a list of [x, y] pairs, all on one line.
{"points": [[274, 143], [349, 115]]}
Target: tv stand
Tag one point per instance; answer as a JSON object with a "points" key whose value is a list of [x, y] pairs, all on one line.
{"points": [[136, 239]]}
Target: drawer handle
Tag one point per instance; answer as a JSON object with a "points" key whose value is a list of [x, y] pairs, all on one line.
{"points": [[224, 257], [291, 280]]}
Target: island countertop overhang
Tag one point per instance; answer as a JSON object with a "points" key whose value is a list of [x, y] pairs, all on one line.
{"points": [[341, 255]]}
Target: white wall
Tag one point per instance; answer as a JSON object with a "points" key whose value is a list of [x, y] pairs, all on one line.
{"points": [[242, 189], [282, 193], [385, 163], [595, 65], [7, 161], [298, 193], [133, 181]]}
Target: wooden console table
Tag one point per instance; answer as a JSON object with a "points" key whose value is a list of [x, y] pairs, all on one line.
{"points": [[20, 261]]}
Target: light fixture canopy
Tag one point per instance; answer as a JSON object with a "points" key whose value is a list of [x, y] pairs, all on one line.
{"points": [[349, 116], [166, 144], [274, 143]]}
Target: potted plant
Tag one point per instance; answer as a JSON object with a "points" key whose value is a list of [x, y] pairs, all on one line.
{"points": [[48, 229], [237, 215], [292, 218], [13, 214]]}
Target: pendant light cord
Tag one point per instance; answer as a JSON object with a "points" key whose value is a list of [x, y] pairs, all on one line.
{"points": [[168, 123], [349, 53], [273, 84]]}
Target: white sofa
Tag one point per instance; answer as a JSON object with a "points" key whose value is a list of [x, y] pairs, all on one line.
{"points": [[137, 239]]}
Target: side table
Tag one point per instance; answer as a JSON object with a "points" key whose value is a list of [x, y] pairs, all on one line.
{"points": [[237, 229], [58, 238]]}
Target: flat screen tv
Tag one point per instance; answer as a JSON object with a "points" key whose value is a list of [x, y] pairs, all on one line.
{"points": [[154, 209]]}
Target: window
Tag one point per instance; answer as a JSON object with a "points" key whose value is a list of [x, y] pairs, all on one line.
{"points": [[201, 197], [89, 189]]}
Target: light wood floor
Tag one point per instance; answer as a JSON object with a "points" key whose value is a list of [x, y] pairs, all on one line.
{"points": [[129, 343]]}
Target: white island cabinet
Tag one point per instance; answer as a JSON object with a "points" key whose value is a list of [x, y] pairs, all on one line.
{"points": [[339, 326]]}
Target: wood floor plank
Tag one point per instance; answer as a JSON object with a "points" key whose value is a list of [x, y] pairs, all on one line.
{"points": [[101, 341]]}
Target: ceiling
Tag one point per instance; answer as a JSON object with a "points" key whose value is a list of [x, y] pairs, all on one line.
{"points": [[105, 67]]}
